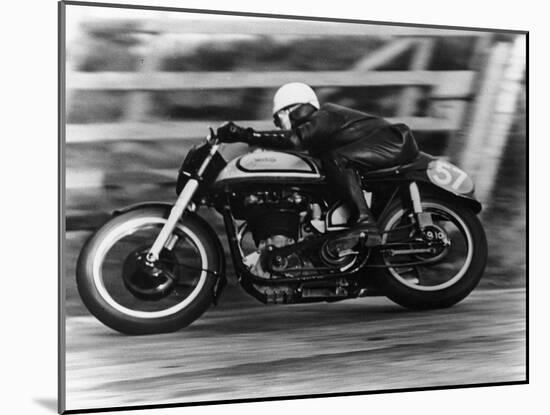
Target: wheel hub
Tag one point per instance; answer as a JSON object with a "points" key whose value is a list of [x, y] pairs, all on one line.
{"points": [[146, 280], [434, 233]]}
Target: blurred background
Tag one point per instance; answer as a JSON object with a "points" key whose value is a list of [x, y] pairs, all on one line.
{"points": [[142, 87]]}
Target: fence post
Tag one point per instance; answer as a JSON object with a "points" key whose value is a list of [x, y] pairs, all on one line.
{"points": [[480, 122], [501, 120], [139, 102], [477, 62]]}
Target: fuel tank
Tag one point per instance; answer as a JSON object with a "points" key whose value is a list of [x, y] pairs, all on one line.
{"points": [[270, 166]]}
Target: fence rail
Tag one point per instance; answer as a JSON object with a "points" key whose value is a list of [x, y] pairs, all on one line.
{"points": [[447, 84], [184, 130]]}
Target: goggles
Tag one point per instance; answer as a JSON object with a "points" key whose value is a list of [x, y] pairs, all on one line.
{"points": [[282, 117]]}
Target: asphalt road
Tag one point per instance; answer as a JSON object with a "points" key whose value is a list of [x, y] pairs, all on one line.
{"points": [[243, 349]]}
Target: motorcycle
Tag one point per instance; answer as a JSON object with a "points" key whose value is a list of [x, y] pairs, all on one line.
{"points": [[156, 267]]}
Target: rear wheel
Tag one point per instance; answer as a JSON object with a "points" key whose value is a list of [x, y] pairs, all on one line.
{"points": [[123, 292], [452, 269]]}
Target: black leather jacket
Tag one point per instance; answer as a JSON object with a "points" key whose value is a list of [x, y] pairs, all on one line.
{"points": [[334, 131]]}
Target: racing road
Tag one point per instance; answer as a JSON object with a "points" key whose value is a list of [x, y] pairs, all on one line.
{"points": [[244, 349]]}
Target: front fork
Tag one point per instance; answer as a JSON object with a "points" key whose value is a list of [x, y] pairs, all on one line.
{"points": [[175, 214], [184, 199]]}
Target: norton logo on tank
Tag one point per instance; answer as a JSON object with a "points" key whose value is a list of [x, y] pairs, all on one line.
{"points": [[274, 161], [264, 160], [269, 165]]}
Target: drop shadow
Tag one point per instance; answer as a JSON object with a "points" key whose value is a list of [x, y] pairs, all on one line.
{"points": [[48, 403]]}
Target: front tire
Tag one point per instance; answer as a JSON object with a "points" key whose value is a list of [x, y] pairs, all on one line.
{"points": [[453, 276], [100, 267]]}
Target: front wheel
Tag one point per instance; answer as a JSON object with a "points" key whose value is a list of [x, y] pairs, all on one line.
{"points": [[133, 298], [449, 272]]}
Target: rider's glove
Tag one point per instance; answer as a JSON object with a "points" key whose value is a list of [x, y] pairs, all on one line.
{"points": [[232, 133]]}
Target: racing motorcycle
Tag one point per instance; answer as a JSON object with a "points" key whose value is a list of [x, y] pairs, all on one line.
{"points": [[156, 267]]}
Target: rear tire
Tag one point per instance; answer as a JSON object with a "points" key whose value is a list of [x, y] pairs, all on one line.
{"points": [[417, 297], [124, 319]]}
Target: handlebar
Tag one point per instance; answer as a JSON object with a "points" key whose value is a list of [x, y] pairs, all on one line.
{"points": [[212, 138]]}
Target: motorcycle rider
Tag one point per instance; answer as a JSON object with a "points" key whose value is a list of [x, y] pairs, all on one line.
{"points": [[343, 139]]}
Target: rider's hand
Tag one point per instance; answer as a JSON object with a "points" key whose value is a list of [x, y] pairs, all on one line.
{"points": [[232, 133]]}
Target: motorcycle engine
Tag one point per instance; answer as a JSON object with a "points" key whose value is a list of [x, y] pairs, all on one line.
{"points": [[279, 264], [274, 219], [271, 213]]}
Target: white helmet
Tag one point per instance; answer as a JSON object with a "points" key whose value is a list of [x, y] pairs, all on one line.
{"points": [[294, 93]]}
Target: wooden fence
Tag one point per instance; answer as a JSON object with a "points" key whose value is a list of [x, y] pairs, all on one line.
{"points": [[449, 92]]}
